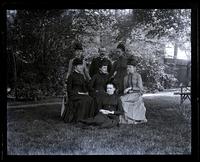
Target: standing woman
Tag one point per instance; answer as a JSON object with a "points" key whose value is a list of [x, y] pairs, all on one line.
{"points": [[78, 52], [80, 105], [132, 102], [119, 68]]}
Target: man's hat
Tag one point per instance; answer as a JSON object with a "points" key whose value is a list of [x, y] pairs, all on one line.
{"points": [[77, 46], [131, 61]]}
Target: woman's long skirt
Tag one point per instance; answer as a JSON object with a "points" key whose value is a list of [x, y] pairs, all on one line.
{"points": [[78, 107], [134, 108], [102, 121]]}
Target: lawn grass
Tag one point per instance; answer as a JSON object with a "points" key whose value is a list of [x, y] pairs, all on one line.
{"points": [[40, 131]]}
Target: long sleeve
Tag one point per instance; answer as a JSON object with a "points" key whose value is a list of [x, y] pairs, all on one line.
{"points": [[99, 104], [139, 82], [119, 110], [113, 69], [109, 65], [70, 90], [92, 83], [86, 71], [125, 82], [69, 68], [86, 85], [92, 68]]}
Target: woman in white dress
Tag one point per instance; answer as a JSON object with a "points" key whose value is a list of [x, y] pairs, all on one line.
{"points": [[132, 102]]}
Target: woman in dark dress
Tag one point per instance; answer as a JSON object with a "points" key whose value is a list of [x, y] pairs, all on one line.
{"points": [[80, 104], [78, 53], [109, 109], [99, 80], [119, 71]]}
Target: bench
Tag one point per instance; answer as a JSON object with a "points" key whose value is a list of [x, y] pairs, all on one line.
{"points": [[185, 93]]}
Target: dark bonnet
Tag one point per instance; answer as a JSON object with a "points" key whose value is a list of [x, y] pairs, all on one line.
{"points": [[77, 61]]}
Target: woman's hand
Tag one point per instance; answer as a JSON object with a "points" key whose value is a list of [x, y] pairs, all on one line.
{"points": [[106, 111], [114, 74], [136, 89], [127, 89], [83, 93]]}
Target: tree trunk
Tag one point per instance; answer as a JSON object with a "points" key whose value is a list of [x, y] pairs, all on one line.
{"points": [[15, 75], [175, 59], [44, 47], [175, 51]]}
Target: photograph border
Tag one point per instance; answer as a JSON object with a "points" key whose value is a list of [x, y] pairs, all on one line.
{"points": [[129, 5]]}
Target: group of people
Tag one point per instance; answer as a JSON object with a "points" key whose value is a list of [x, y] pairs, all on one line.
{"points": [[105, 94]]}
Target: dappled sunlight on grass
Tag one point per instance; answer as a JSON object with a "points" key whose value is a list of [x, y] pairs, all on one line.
{"points": [[169, 94]]}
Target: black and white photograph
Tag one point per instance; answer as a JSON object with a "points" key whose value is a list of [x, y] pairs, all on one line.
{"points": [[99, 81]]}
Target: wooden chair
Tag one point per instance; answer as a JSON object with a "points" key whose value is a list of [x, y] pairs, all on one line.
{"points": [[185, 93]]}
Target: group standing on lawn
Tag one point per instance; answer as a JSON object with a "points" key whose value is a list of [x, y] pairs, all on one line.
{"points": [[106, 94]]}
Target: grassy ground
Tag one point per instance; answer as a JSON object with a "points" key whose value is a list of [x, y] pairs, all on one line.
{"points": [[40, 131], [47, 100]]}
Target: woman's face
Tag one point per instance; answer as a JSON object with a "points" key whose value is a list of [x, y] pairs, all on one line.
{"points": [[79, 68], [130, 69], [110, 89], [119, 52], [78, 53], [104, 69], [102, 54]]}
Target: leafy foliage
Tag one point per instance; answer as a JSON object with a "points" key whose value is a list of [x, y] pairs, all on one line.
{"points": [[41, 42]]}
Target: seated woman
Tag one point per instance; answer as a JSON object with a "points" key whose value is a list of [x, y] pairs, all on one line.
{"points": [[98, 82], [80, 104], [109, 109], [132, 102], [78, 53]]}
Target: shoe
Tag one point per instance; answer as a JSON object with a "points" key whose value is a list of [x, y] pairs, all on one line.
{"points": [[145, 120], [140, 121], [136, 122]]}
